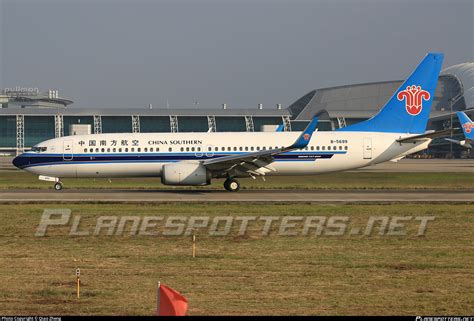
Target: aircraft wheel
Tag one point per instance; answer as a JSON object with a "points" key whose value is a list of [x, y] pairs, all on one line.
{"points": [[58, 186], [232, 185]]}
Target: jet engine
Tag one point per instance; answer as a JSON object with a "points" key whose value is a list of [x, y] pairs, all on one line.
{"points": [[189, 174]]}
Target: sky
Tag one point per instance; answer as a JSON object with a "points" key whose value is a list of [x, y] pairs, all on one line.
{"points": [[202, 53]]}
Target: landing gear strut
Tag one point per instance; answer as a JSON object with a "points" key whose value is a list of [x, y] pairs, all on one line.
{"points": [[231, 185], [58, 186]]}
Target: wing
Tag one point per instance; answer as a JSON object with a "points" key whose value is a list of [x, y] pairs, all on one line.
{"points": [[257, 163]]}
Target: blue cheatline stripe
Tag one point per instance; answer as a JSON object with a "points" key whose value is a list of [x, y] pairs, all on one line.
{"points": [[174, 154], [35, 160]]}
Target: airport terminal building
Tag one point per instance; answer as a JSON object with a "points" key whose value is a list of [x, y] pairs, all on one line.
{"points": [[27, 118]]}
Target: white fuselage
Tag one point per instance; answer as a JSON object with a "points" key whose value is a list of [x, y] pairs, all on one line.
{"points": [[141, 155]]}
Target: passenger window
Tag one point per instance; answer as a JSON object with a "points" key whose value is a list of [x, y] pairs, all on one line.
{"points": [[240, 148], [108, 150], [103, 150], [345, 147], [139, 149], [182, 149], [120, 150], [115, 150], [192, 149], [235, 149], [85, 150], [323, 147]]}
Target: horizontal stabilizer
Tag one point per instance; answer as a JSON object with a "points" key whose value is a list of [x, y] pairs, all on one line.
{"points": [[428, 135], [467, 143]]}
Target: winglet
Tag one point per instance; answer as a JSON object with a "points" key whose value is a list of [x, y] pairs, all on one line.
{"points": [[466, 124], [305, 136]]}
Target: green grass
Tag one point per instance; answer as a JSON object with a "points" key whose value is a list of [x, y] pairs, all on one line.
{"points": [[332, 181], [251, 274]]}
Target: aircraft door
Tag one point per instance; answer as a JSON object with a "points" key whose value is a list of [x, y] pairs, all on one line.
{"points": [[68, 150]]}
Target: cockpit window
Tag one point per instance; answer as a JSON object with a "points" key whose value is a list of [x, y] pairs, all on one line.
{"points": [[38, 149]]}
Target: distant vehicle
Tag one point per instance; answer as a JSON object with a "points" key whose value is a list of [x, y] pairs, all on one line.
{"points": [[467, 128], [194, 159]]}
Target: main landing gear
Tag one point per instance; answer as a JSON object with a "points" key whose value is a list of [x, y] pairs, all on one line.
{"points": [[231, 185]]}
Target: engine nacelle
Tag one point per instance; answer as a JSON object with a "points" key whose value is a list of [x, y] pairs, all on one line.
{"points": [[185, 174]]}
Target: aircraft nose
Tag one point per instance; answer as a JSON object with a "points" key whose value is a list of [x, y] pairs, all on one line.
{"points": [[18, 161]]}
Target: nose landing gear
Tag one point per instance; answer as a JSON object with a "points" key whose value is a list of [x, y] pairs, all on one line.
{"points": [[231, 185], [58, 186]]}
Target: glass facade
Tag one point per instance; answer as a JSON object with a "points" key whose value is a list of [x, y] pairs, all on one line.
{"points": [[188, 124], [155, 124], [38, 129], [299, 125], [258, 122], [41, 128], [230, 124], [7, 131], [116, 124]]}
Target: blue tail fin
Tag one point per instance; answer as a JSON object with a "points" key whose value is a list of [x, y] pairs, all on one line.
{"points": [[467, 125], [409, 108]]}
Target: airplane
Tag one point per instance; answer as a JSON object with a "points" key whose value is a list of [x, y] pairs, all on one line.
{"points": [[194, 159], [468, 129]]}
